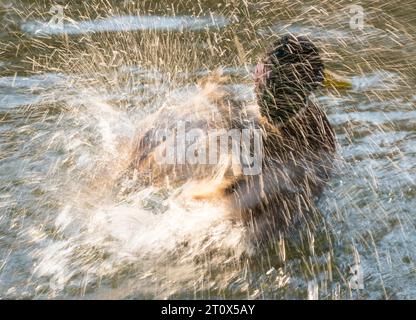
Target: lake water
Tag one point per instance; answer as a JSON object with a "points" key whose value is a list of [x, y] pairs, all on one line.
{"points": [[72, 96]]}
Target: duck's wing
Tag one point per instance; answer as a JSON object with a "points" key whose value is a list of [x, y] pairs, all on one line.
{"points": [[196, 112]]}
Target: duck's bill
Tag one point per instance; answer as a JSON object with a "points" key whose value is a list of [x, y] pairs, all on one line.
{"points": [[335, 81]]}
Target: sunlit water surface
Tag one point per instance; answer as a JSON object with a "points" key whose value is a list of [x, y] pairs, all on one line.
{"points": [[72, 98]]}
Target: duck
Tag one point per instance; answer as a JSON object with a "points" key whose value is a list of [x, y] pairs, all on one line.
{"points": [[297, 144]]}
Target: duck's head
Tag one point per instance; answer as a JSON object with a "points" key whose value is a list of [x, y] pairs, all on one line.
{"points": [[290, 70]]}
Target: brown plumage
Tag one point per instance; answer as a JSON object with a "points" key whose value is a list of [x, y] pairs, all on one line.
{"points": [[298, 142]]}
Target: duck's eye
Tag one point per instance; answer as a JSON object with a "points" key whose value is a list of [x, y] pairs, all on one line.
{"points": [[280, 53]]}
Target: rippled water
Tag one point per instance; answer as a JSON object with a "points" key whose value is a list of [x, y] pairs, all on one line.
{"points": [[72, 98]]}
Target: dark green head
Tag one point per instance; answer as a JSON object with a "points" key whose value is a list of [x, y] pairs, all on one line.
{"points": [[285, 77]]}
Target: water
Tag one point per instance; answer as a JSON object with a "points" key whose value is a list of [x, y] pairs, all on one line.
{"points": [[72, 99]]}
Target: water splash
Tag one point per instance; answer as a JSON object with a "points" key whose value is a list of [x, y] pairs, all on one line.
{"points": [[71, 101]]}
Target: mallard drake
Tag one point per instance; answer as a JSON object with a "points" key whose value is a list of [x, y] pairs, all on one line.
{"points": [[298, 143]]}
